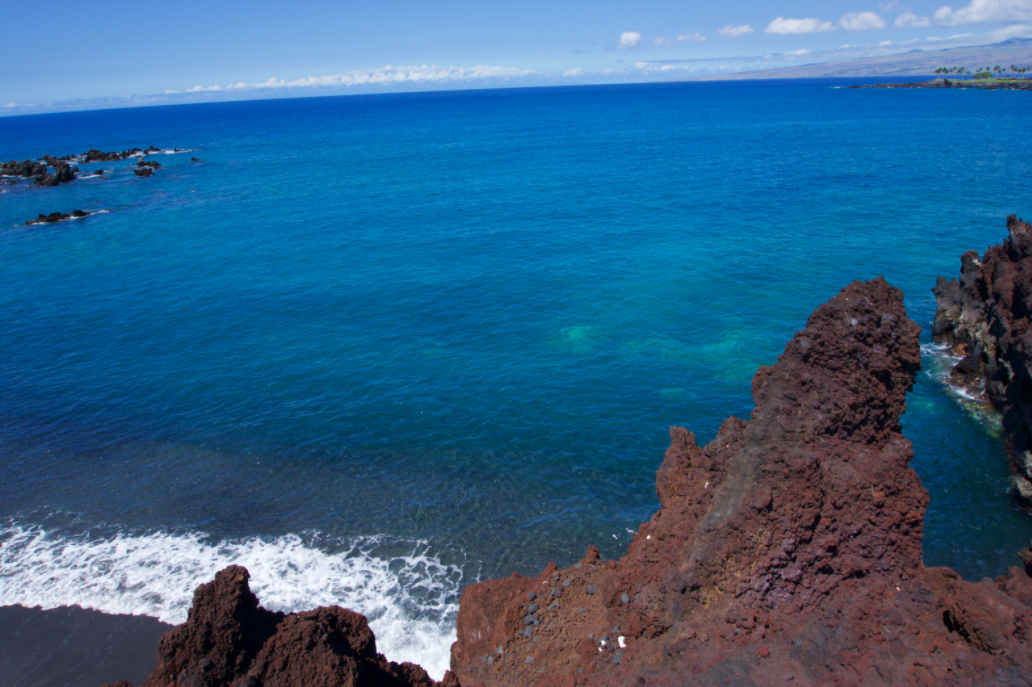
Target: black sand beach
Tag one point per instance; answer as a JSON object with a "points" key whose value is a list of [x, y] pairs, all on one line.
{"points": [[70, 646]]}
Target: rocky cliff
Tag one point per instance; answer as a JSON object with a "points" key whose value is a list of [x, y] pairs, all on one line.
{"points": [[984, 316], [785, 551]]}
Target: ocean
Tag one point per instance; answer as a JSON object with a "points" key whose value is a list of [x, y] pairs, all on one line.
{"points": [[377, 348]]}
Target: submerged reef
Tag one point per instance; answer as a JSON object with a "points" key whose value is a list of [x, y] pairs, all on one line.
{"points": [[785, 551], [984, 317]]}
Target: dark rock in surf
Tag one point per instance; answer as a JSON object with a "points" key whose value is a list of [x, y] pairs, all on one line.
{"points": [[229, 640], [143, 171], [94, 155], [57, 217], [63, 174]]}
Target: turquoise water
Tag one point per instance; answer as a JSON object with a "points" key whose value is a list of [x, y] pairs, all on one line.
{"points": [[382, 346]]}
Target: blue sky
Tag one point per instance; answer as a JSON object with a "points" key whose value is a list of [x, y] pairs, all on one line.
{"points": [[103, 53]]}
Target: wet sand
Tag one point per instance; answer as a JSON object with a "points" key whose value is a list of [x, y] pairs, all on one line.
{"points": [[71, 646]]}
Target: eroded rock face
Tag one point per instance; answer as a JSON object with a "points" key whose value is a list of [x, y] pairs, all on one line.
{"points": [[229, 640], [984, 316], [787, 551]]}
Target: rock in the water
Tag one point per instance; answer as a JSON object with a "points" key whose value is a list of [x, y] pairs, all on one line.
{"points": [[984, 316], [797, 532], [25, 169], [94, 155], [57, 217], [229, 640], [143, 171], [63, 173]]}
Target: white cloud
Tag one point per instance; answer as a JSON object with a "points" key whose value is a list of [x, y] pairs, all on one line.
{"points": [[798, 53], [574, 72], [628, 40], [1016, 31], [909, 20], [384, 76], [984, 12], [861, 21], [662, 42], [11, 105], [731, 31], [641, 65], [783, 26]]}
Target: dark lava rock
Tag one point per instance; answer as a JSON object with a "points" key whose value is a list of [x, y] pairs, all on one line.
{"points": [[229, 640], [194, 159], [797, 532], [57, 217], [143, 171], [63, 173], [25, 169], [148, 163], [94, 155], [984, 316]]}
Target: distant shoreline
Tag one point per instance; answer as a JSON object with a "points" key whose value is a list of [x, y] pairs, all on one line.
{"points": [[978, 84]]}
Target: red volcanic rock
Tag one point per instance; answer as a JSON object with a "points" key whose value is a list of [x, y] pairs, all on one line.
{"points": [[787, 551], [230, 641], [985, 317]]}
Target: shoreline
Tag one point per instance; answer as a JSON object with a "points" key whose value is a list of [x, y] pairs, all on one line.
{"points": [[993, 85], [77, 647]]}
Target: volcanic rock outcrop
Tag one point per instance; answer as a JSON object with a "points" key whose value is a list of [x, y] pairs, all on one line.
{"points": [[57, 217], [984, 316], [38, 170], [787, 551], [230, 641]]}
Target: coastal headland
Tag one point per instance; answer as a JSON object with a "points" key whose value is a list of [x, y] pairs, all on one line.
{"points": [[982, 85], [786, 551]]}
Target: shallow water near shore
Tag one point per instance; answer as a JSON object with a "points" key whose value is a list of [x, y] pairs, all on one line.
{"points": [[379, 347]]}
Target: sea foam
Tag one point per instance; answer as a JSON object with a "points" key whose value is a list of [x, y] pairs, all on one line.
{"points": [[410, 600]]}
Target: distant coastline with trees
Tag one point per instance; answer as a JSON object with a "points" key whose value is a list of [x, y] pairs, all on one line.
{"points": [[1012, 78]]}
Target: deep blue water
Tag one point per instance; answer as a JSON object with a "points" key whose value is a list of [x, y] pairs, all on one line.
{"points": [[378, 347]]}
